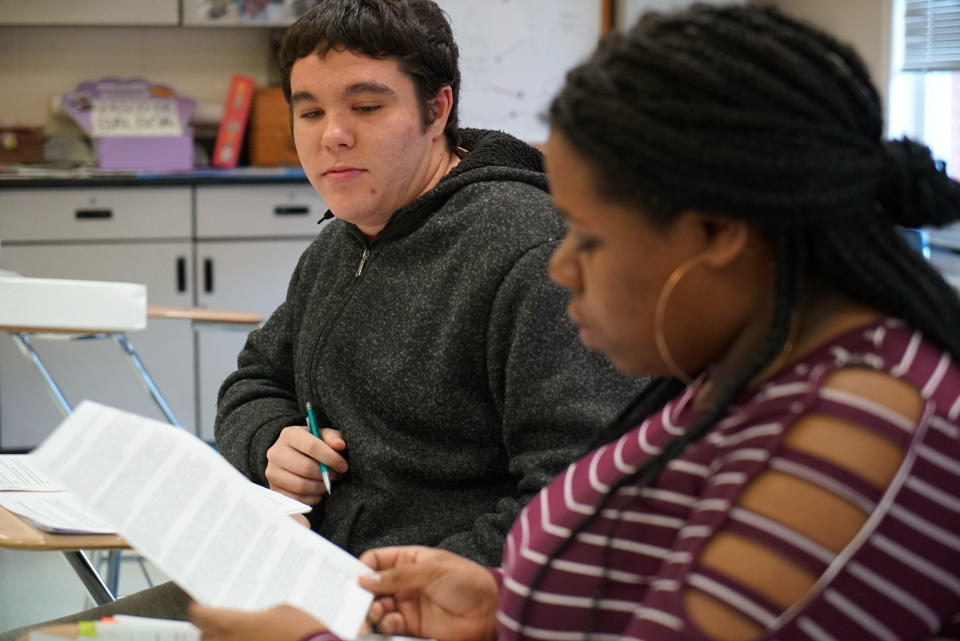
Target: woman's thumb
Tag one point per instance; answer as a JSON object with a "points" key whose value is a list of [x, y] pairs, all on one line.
{"points": [[403, 577]]}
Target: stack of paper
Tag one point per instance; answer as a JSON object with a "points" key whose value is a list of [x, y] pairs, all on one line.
{"points": [[17, 472], [27, 492]]}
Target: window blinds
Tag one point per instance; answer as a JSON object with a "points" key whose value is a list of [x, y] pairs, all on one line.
{"points": [[932, 35]]}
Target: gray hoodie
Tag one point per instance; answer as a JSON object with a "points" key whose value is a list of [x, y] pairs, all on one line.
{"points": [[442, 352]]}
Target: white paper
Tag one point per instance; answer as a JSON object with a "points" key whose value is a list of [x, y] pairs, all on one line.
{"points": [[285, 504], [125, 627], [187, 510], [57, 512], [32, 495], [17, 472]]}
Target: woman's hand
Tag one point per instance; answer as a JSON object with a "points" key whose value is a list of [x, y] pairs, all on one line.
{"points": [[282, 623], [431, 593]]}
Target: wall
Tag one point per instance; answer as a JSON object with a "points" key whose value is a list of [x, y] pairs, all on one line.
{"points": [[863, 24], [37, 63]]}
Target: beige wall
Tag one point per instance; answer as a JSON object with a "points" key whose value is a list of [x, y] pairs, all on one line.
{"points": [[863, 24], [37, 63]]}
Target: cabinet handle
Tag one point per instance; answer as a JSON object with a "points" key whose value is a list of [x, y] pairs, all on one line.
{"points": [[93, 214], [181, 275], [208, 275], [294, 210]]}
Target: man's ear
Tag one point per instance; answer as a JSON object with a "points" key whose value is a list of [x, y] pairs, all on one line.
{"points": [[438, 110], [722, 239]]}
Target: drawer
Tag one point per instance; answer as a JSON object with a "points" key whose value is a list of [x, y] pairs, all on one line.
{"points": [[258, 210], [94, 213]]}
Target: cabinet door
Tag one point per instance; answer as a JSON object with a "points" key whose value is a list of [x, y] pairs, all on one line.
{"points": [[97, 369], [248, 275]]}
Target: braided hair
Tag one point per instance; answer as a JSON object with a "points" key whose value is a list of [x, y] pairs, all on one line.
{"points": [[743, 112]]}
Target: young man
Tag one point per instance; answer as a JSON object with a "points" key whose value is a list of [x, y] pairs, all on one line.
{"points": [[421, 324]]}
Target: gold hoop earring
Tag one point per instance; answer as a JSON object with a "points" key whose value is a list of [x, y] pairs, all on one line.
{"points": [[661, 310]]}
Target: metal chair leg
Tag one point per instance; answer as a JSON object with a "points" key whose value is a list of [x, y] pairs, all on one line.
{"points": [[88, 575], [147, 380], [114, 561], [26, 348]]}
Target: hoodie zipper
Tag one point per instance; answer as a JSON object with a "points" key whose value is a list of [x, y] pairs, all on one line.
{"points": [[363, 261], [321, 336]]}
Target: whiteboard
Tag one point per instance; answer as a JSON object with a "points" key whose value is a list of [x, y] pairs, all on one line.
{"points": [[628, 11], [514, 55]]}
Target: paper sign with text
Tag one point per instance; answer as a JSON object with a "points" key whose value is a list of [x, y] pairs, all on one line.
{"points": [[147, 118]]}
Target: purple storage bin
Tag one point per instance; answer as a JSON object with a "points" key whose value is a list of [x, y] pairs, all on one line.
{"points": [[167, 152]]}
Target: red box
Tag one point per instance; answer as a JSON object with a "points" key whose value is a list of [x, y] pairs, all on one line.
{"points": [[233, 125]]}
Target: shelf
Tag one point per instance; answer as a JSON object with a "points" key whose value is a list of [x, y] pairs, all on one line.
{"points": [[90, 12]]}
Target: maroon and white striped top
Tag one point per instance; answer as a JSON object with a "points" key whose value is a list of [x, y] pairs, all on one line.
{"points": [[898, 579]]}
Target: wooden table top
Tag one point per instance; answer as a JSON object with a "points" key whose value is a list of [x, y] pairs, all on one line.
{"points": [[17, 534], [198, 315], [203, 315]]}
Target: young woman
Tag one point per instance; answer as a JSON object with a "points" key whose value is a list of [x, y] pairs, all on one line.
{"points": [[732, 227]]}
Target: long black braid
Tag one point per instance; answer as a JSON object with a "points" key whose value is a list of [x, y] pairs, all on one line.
{"points": [[744, 112]]}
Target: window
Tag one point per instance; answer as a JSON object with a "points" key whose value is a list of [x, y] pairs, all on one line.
{"points": [[925, 88], [925, 98]]}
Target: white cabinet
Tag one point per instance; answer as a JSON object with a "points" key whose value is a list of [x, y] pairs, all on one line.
{"points": [[249, 239], [90, 12], [120, 234], [260, 211], [67, 215], [214, 246]]}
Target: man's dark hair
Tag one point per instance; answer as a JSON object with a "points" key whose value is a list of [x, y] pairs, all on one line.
{"points": [[415, 33], [744, 112]]}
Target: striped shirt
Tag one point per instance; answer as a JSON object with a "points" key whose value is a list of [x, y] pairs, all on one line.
{"points": [[898, 578]]}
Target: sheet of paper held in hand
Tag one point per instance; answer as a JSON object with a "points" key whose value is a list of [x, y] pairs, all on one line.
{"points": [[183, 507]]}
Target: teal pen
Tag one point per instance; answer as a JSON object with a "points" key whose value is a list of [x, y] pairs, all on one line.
{"points": [[312, 422]]}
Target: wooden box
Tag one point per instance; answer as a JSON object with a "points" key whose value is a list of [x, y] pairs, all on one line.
{"points": [[21, 144], [271, 141]]}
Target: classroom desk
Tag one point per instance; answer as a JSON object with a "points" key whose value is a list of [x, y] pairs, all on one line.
{"points": [[198, 317], [17, 534]]}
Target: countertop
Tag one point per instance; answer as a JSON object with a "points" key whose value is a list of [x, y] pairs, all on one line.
{"points": [[27, 176]]}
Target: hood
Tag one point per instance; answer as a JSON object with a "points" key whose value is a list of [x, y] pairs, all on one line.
{"points": [[493, 156]]}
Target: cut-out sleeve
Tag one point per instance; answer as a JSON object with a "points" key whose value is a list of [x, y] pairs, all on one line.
{"points": [[838, 534]]}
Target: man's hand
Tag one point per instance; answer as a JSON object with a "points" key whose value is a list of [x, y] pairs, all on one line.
{"points": [[282, 623], [431, 593], [293, 462]]}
